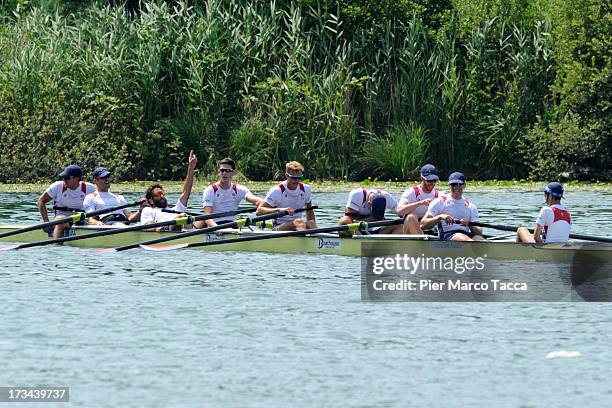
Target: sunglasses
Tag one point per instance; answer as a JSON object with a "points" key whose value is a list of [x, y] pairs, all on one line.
{"points": [[226, 170], [456, 184], [294, 177], [431, 181], [160, 193]]}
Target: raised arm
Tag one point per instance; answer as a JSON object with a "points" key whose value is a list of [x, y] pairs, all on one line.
{"points": [[193, 161]]}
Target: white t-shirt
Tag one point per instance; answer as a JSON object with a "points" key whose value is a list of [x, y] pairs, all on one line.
{"points": [[458, 209], [102, 200], [154, 215], [66, 197], [358, 201], [556, 221], [222, 200], [280, 196], [416, 193]]}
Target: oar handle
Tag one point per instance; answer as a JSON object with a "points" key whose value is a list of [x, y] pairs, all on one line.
{"points": [[171, 211], [245, 222], [501, 227], [107, 210], [209, 216]]}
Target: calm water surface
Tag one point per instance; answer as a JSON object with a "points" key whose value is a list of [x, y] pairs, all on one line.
{"points": [[186, 329]]}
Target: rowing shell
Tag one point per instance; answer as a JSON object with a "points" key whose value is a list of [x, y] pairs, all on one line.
{"points": [[416, 245]]}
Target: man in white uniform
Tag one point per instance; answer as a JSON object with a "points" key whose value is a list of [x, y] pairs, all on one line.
{"points": [[554, 221], [224, 196], [102, 199], [444, 210], [67, 195], [415, 200], [369, 205], [156, 198], [289, 196]]}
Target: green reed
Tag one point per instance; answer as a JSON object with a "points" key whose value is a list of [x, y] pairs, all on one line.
{"points": [[268, 84]]}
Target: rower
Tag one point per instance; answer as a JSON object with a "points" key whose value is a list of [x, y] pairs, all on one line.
{"points": [[102, 198], [369, 205], [156, 198], [67, 195], [554, 221], [224, 195], [445, 209], [288, 196], [415, 200]]}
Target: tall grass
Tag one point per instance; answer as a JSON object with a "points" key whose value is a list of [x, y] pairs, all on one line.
{"points": [[268, 84], [397, 156]]}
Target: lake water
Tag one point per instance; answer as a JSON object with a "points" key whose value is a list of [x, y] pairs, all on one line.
{"points": [[191, 329]]}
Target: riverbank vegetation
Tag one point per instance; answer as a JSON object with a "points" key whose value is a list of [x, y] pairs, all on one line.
{"points": [[497, 89]]}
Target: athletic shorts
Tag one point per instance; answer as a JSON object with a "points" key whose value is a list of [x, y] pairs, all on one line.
{"points": [[446, 236]]}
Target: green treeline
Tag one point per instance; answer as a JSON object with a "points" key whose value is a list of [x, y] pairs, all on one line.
{"points": [[496, 89]]}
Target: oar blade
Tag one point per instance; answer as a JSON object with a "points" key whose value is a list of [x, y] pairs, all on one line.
{"points": [[105, 250], [9, 247], [160, 248]]}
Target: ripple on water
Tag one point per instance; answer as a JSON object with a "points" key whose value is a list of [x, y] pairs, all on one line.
{"points": [[181, 328]]}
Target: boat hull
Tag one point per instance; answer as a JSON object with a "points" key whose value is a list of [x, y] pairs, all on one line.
{"points": [[371, 245]]}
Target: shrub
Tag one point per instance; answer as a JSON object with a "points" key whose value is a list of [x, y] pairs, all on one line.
{"points": [[565, 150], [253, 146], [398, 155]]}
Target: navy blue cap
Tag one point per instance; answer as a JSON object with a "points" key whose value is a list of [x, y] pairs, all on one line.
{"points": [[378, 206], [100, 172], [456, 178], [554, 189], [429, 172], [71, 171]]}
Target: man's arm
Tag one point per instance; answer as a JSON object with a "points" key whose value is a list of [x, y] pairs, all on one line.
{"points": [[253, 199], [89, 205], [537, 233], [429, 221], [405, 208], [210, 222], [265, 209], [42, 206], [433, 216], [310, 214], [136, 216], [193, 161], [474, 217], [476, 230]]}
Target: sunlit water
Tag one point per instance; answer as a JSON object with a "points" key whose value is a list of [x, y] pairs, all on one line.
{"points": [[192, 329]]}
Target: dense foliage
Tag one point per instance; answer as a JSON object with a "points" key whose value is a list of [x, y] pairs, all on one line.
{"points": [[497, 89]]}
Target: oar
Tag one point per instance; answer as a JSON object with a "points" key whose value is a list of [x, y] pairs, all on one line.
{"points": [[504, 227], [244, 222], [74, 218], [195, 214], [353, 227], [176, 221]]}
